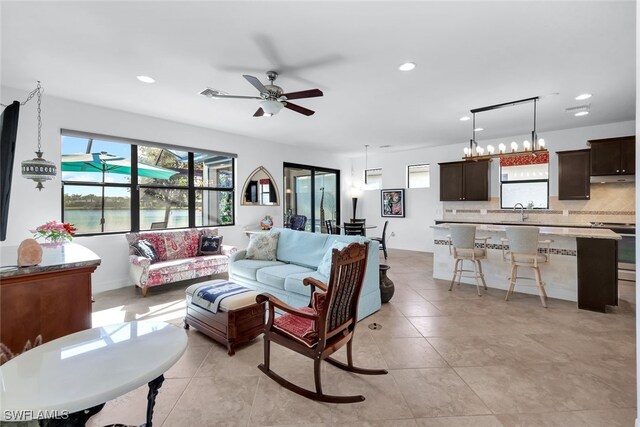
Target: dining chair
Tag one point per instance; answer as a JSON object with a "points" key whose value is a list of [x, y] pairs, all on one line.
{"points": [[329, 226], [354, 228], [463, 238], [297, 222], [383, 240], [323, 327]]}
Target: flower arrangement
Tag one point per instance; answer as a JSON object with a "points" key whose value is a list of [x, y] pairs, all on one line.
{"points": [[55, 232]]}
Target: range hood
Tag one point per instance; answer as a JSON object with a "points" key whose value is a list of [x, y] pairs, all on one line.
{"points": [[603, 179]]}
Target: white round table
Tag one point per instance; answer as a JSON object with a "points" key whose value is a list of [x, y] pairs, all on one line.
{"points": [[78, 373]]}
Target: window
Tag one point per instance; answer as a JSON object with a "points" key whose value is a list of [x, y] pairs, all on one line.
{"points": [[373, 178], [524, 179], [115, 185], [418, 176]]}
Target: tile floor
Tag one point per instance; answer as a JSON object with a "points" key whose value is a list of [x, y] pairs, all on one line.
{"points": [[454, 359]]}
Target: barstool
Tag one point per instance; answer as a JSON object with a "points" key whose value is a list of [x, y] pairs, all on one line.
{"points": [[463, 238], [523, 252]]}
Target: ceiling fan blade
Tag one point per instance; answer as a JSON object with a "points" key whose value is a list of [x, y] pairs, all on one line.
{"points": [[304, 94], [256, 83], [259, 113], [299, 109]]}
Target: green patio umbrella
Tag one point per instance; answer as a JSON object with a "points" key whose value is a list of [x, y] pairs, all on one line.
{"points": [[108, 163]]}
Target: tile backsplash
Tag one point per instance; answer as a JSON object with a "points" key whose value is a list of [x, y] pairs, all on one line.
{"points": [[610, 202]]}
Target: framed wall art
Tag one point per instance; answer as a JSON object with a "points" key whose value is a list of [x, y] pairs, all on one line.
{"points": [[392, 203]]}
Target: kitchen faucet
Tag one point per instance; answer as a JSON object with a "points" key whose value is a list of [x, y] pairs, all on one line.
{"points": [[522, 215]]}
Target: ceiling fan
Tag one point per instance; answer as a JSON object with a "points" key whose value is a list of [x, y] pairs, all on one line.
{"points": [[273, 99]]}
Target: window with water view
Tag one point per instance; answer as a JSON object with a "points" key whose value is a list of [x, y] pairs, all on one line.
{"points": [[111, 186]]}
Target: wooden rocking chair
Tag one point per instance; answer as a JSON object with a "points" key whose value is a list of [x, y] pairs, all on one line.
{"points": [[322, 328]]}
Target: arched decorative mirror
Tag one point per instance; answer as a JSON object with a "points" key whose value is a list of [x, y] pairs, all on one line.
{"points": [[260, 189]]}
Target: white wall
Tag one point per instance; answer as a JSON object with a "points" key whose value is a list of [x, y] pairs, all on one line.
{"points": [[422, 204], [30, 208]]}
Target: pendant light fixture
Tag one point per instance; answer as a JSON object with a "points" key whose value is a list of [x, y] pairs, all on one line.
{"points": [[533, 147], [38, 169]]}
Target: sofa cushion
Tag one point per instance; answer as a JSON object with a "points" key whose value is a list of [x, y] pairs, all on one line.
{"points": [[301, 247], [275, 276], [181, 244], [178, 265], [210, 245], [293, 282], [247, 268], [325, 265], [263, 246], [145, 249]]}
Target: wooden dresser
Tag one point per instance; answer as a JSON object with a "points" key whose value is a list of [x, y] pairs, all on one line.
{"points": [[51, 300]]}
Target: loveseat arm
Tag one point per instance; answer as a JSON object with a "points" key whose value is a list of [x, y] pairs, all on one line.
{"points": [[238, 255], [229, 250], [139, 270]]}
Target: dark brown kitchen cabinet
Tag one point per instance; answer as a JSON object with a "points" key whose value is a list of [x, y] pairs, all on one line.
{"points": [[464, 181], [613, 156], [597, 273], [573, 175]]}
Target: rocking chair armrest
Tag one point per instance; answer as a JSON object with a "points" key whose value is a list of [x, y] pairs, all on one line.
{"points": [[275, 302], [311, 281]]}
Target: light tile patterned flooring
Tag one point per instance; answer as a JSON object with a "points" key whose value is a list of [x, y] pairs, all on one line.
{"points": [[454, 359]]}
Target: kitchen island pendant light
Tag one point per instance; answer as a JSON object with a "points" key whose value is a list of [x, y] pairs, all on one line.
{"points": [[533, 147]]}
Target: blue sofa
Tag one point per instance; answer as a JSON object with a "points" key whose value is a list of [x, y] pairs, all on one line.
{"points": [[298, 256]]}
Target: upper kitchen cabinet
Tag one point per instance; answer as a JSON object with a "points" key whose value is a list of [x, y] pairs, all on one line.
{"points": [[573, 175], [464, 181], [613, 156]]}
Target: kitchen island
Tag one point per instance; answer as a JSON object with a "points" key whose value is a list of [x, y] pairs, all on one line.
{"points": [[582, 267]]}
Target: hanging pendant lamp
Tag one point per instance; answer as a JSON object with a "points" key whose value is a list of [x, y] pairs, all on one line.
{"points": [[38, 169]]}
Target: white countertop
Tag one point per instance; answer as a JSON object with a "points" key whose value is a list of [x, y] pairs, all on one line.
{"points": [[55, 256], [90, 367], [593, 233]]}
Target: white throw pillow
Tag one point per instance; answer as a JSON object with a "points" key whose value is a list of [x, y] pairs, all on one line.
{"points": [[325, 265], [263, 246]]}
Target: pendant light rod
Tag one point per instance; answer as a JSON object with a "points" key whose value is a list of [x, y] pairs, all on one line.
{"points": [[505, 104]]}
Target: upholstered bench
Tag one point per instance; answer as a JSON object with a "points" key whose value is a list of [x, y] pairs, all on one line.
{"points": [[238, 320]]}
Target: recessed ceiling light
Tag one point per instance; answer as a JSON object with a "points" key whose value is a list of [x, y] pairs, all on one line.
{"points": [[478, 129], [407, 66], [465, 118], [581, 113], [146, 79], [583, 96]]}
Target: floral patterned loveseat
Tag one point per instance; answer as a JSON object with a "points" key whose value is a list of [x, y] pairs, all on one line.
{"points": [[177, 257]]}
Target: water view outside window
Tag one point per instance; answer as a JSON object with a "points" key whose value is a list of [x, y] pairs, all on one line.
{"points": [[98, 187]]}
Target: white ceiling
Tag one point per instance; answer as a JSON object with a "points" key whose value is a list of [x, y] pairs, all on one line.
{"points": [[468, 55]]}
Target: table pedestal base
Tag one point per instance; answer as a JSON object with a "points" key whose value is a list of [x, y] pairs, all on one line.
{"points": [[80, 418]]}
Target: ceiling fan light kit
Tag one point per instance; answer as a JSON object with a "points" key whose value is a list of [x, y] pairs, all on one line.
{"points": [[273, 99], [270, 107]]}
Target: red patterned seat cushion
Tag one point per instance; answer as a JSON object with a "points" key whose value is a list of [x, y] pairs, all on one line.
{"points": [[305, 331]]}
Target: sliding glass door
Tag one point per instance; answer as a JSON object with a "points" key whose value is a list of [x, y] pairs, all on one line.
{"points": [[313, 192]]}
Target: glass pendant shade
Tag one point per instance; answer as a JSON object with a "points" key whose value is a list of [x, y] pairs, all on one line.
{"points": [[271, 107]]}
